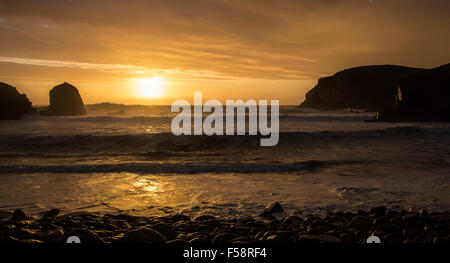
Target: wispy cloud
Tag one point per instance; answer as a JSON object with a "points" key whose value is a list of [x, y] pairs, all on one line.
{"points": [[71, 64], [174, 73]]}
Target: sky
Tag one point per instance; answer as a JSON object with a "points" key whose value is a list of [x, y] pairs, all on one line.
{"points": [[227, 49]]}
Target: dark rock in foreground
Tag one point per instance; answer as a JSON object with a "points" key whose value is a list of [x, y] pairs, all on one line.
{"points": [[390, 226], [368, 87], [65, 100], [276, 208], [423, 96], [13, 104]]}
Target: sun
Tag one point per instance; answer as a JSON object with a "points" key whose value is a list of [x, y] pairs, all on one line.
{"points": [[151, 88]]}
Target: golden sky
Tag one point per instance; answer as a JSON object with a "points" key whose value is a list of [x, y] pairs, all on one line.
{"points": [[228, 49]]}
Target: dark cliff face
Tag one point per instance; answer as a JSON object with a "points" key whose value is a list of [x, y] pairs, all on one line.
{"points": [[424, 96], [13, 104], [371, 87], [65, 100], [426, 91]]}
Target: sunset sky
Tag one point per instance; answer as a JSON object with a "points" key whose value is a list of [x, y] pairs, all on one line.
{"points": [[227, 49]]}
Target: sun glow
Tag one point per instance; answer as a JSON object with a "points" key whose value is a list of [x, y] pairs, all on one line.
{"points": [[151, 88]]}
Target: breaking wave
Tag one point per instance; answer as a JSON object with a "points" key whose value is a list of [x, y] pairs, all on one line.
{"points": [[178, 168], [109, 144]]}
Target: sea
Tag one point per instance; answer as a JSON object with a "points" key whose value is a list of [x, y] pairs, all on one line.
{"points": [[126, 160]]}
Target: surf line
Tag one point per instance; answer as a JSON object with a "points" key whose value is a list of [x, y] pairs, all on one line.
{"points": [[213, 124]]}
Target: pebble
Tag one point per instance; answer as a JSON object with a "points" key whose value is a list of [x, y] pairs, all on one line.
{"points": [[53, 236], [180, 217], [203, 218], [375, 212], [266, 215], [51, 213], [166, 230], [391, 226], [19, 215], [276, 208], [198, 240], [292, 220], [125, 225]]}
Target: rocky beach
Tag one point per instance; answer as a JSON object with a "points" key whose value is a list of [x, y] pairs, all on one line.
{"points": [[392, 227]]}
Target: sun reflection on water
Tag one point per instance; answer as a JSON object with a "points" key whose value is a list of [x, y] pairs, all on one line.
{"points": [[146, 185]]}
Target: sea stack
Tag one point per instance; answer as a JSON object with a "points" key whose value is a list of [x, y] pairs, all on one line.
{"points": [[13, 104], [65, 100], [423, 96], [368, 87]]}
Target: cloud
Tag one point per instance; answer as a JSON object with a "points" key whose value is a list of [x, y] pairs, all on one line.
{"points": [[117, 68], [286, 39], [66, 64]]}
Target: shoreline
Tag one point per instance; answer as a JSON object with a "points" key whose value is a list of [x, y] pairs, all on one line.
{"points": [[394, 227]]}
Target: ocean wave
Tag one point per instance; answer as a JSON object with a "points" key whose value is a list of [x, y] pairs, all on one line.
{"points": [[179, 168], [331, 117], [145, 152], [181, 142], [166, 118]]}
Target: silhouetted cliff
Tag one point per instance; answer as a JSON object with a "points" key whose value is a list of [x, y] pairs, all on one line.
{"points": [[13, 104], [65, 100], [371, 87], [424, 96]]}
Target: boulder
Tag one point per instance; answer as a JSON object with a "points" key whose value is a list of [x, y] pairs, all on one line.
{"points": [[423, 96], [180, 217], [276, 208], [203, 218], [13, 104], [368, 87], [19, 215], [51, 213], [65, 100]]}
